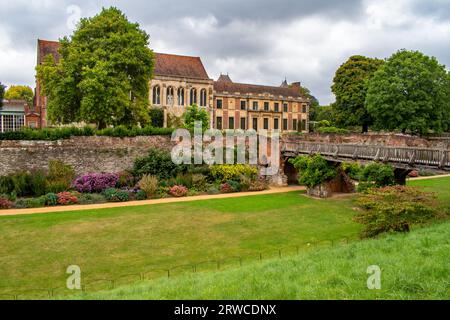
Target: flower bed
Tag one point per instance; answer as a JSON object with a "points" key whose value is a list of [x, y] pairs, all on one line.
{"points": [[146, 181]]}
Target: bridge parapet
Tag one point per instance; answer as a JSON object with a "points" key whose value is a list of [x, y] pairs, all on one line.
{"points": [[399, 157]]}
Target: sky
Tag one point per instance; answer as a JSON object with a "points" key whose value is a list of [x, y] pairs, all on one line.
{"points": [[254, 41]]}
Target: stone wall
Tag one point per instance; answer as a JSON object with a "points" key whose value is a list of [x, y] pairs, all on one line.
{"points": [[85, 154], [390, 140]]}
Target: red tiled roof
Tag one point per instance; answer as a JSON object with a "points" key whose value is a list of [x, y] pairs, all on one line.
{"points": [[179, 66], [47, 47], [165, 64], [243, 88]]}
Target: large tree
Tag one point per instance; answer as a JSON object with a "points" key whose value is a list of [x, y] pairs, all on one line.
{"points": [[20, 93], [350, 88], [2, 93], [103, 73], [410, 93]]}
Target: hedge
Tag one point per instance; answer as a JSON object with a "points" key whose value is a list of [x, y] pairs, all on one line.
{"points": [[52, 134]]}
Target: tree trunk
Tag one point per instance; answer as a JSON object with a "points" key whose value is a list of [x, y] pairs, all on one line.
{"points": [[101, 125]]}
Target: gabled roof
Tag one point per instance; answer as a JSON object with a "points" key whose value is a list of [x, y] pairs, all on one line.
{"points": [[165, 64], [243, 88], [179, 66], [225, 78], [45, 48]]}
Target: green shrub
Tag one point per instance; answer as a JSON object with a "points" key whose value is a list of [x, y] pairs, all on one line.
{"points": [[157, 117], [60, 176], [363, 187], [149, 184], [258, 185], [235, 186], [126, 179], [21, 204], [352, 169], [225, 172], [91, 198], [185, 179], [199, 182], [31, 203], [140, 195], [22, 183], [114, 195], [37, 202], [157, 163], [56, 187], [313, 170], [394, 209], [51, 199], [377, 175], [52, 134], [163, 192], [246, 182], [6, 185], [38, 183], [332, 130], [212, 190], [192, 193]]}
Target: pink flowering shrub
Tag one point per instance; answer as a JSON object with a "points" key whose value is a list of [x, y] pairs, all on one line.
{"points": [[178, 191], [226, 188], [95, 182], [67, 198], [5, 203]]}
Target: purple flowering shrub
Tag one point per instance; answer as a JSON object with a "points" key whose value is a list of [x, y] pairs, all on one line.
{"points": [[95, 182]]}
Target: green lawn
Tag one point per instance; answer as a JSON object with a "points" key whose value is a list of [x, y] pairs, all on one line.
{"points": [[413, 266], [36, 250], [109, 243]]}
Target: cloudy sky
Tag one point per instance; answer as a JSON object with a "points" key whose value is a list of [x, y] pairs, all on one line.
{"points": [[255, 41]]}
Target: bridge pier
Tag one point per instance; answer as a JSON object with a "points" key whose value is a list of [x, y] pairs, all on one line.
{"points": [[401, 175]]}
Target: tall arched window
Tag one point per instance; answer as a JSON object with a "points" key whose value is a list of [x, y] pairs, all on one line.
{"points": [[170, 96], [203, 98], [193, 99], [156, 95], [181, 97]]}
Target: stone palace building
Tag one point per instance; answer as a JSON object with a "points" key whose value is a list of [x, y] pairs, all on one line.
{"points": [[180, 81]]}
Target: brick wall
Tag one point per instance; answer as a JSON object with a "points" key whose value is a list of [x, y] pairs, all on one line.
{"points": [[390, 140]]}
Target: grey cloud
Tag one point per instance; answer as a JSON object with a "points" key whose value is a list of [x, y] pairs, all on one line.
{"points": [[242, 36]]}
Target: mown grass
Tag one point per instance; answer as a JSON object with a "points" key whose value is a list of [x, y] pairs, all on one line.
{"points": [[107, 244], [36, 250], [414, 266]]}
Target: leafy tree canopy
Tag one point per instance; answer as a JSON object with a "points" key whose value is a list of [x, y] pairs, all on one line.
{"points": [[20, 93], [322, 113], [103, 73], [350, 88], [410, 93], [193, 114], [307, 94]]}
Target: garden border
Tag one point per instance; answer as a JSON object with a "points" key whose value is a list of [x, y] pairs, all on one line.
{"points": [[109, 205]]}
